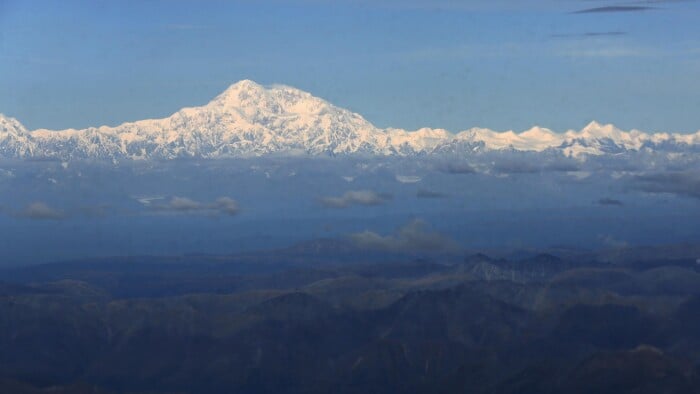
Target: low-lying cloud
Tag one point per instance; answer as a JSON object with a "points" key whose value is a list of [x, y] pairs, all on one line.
{"points": [[423, 193], [184, 205], [408, 178], [355, 197], [612, 242], [41, 211], [532, 167], [458, 168], [415, 236], [610, 202], [95, 211], [226, 205]]}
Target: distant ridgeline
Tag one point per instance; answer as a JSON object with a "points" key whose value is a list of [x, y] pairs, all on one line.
{"points": [[251, 120]]}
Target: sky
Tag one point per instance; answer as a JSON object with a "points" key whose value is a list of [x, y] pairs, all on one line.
{"points": [[408, 64]]}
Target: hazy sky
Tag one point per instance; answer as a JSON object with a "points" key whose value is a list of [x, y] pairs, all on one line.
{"points": [[451, 64]]}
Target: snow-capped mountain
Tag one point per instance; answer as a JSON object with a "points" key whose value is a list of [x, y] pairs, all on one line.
{"points": [[15, 140], [248, 119]]}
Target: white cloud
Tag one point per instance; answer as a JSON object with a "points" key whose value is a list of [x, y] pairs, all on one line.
{"points": [[185, 205], [408, 178], [354, 197], [414, 236], [226, 205], [41, 211]]}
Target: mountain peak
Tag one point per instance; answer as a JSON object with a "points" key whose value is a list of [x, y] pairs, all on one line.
{"points": [[596, 127], [538, 132], [594, 124], [15, 140], [11, 125], [239, 91], [253, 99], [245, 84]]}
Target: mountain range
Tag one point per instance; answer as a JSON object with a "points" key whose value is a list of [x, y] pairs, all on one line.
{"points": [[249, 120], [301, 320]]}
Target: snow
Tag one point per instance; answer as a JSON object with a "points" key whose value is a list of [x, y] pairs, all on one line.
{"points": [[249, 119]]}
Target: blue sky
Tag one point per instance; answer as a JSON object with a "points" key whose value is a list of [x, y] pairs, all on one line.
{"points": [[451, 64]]}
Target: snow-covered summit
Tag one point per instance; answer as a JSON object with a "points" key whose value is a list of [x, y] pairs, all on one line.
{"points": [[246, 119], [249, 119], [15, 141]]}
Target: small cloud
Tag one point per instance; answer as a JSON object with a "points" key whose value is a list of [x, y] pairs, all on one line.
{"points": [[612, 242], [607, 52], [422, 193], [97, 211], [226, 205], [590, 34], [579, 175], [610, 202], [408, 178], [415, 236], [531, 166], [184, 205], [147, 200], [458, 168], [615, 8], [355, 197], [41, 211], [664, 1], [6, 174]]}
